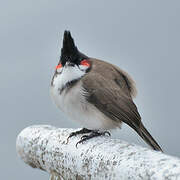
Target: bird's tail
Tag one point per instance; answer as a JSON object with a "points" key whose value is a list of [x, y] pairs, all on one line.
{"points": [[146, 136]]}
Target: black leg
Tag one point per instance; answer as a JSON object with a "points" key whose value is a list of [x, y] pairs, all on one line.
{"points": [[93, 134], [82, 131]]}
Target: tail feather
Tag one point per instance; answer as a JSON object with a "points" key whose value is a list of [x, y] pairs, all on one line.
{"points": [[146, 136]]}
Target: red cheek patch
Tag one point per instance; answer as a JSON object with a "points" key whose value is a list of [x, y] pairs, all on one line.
{"points": [[59, 66], [85, 63]]}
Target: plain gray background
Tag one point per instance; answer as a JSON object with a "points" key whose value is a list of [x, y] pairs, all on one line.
{"points": [[142, 37]]}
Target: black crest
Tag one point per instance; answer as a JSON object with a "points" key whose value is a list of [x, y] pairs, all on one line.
{"points": [[69, 51]]}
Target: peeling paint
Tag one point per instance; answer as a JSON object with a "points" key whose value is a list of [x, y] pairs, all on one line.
{"points": [[103, 158]]}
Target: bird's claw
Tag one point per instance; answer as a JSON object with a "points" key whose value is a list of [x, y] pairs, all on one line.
{"points": [[71, 135], [93, 134], [82, 131], [107, 132]]}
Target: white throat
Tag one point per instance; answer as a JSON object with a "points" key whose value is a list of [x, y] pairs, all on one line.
{"points": [[68, 74]]}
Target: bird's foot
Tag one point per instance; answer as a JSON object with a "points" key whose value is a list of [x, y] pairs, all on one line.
{"points": [[94, 133], [82, 131]]}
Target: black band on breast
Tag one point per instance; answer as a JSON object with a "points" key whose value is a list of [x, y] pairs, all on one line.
{"points": [[68, 86]]}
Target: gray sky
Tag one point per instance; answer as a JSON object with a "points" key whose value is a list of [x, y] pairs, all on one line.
{"points": [[141, 37]]}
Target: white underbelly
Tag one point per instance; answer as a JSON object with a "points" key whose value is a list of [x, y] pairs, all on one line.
{"points": [[75, 106]]}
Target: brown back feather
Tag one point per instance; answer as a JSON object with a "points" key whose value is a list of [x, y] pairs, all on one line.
{"points": [[111, 90]]}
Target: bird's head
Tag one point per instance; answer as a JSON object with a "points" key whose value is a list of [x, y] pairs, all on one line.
{"points": [[71, 57]]}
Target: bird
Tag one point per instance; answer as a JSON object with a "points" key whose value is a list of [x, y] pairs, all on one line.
{"points": [[96, 94]]}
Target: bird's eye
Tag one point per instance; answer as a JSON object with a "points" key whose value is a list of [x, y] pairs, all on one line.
{"points": [[59, 68], [85, 63]]}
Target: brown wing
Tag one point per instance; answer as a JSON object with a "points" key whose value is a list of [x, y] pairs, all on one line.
{"points": [[110, 98], [120, 77], [109, 91]]}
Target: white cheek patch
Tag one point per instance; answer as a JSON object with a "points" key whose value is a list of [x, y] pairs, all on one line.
{"points": [[59, 70], [83, 67], [68, 74]]}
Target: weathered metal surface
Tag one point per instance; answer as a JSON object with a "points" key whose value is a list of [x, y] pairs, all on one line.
{"points": [[45, 147]]}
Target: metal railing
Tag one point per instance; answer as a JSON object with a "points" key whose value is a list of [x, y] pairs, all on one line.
{"points": [[101, 158]]}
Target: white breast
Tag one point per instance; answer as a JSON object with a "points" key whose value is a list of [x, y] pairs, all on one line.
{"points": [[75, 106]]}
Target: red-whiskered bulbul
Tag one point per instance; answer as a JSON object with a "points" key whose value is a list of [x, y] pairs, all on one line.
{"points": [[96, 94]]}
